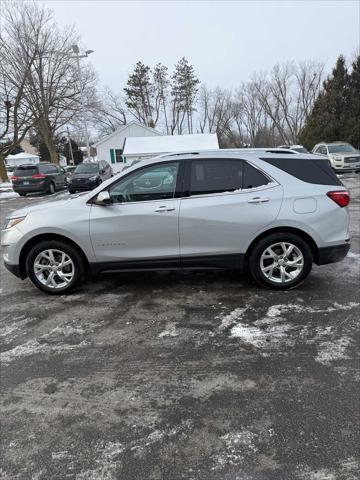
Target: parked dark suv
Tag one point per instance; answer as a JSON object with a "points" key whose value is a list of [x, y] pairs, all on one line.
{"points": [[89, 175], [42, 177]]}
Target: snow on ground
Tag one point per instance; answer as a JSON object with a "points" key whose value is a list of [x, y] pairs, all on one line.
{"points": [[9, 194]]}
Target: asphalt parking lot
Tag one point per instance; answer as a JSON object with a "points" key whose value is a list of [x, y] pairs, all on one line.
{"points": [[170, 376]]}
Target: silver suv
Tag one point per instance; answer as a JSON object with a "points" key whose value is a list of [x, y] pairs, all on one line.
{"points": [[272, 213], [343, 157]]}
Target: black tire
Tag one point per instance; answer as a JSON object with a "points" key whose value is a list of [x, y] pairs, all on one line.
{"points": [[22, 194], [51, 189], [71, 191], [264, 243], [62, 247]]}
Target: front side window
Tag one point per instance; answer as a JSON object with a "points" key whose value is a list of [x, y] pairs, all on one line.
{"points": [[215, 176], [157, 182]]}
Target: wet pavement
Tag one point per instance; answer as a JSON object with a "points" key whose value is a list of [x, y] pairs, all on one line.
{"points": [[170, 376]]}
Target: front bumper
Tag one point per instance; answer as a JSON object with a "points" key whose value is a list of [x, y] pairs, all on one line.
{"points": [[83, 186], [14, 269], [332, 254]]}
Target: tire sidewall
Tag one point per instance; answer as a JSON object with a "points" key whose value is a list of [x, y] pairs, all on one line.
{"points": [[254, 261], [51, 188], [56, 245]]}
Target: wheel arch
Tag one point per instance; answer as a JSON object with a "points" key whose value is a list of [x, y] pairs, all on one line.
{"points": [[47, 236], [297, 231]]}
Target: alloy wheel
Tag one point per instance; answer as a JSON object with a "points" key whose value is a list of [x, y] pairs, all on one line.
{"points": [[282, 262], [54, 268]]}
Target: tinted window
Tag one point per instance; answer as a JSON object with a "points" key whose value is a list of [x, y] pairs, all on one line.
{"points": [[157, 182], [253, 178], [310, 171], [25, 171], [215, 176], [48, 169]]}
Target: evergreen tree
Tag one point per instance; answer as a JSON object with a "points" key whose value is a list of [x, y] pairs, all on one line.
{"points": [[161, 84], [328, 119], [184, 92], [352, 127], [139, 94]]}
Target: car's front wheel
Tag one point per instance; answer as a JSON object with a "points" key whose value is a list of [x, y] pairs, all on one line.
{"points": [[54, 267], [281, 261]]}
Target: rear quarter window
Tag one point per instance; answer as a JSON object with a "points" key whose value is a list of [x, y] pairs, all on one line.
{"points": [[308, 170]]}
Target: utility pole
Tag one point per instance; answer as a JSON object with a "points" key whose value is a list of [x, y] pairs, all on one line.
{"points": [[70, 147], [76, 50]]}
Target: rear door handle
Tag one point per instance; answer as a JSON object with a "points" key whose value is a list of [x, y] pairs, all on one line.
{"points": [[259, 200], [165, 209]]}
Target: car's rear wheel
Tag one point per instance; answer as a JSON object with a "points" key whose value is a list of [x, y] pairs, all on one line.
{"points": [[51, 189], [54, 267], [281, 261], [71, 191], [22, 194]]}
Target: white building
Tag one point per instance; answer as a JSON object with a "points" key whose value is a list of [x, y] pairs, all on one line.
{"points": [[22, 158], [110, 148], [147, 147]]}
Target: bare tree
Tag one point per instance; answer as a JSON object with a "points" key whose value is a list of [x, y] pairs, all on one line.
{"points": [[16, 118], [50, 92], [108, 111], [287, 96]]}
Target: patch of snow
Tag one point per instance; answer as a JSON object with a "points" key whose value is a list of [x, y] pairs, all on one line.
{"points": [[331, 351], [354, 255], [238, 446], [33, 347], [170, 330], [260, 338], [9, 194], [229, 319]]}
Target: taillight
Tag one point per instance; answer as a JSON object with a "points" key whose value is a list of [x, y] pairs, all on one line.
{"points": [[14, 178], [341, 197], [38, 175]]}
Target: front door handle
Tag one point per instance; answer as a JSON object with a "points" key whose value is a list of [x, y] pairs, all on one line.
{"points": [[165, 209], [259, 200]]}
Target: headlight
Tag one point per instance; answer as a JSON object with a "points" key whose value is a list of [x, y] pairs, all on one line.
{"points": [[337, 157], [92, 179], [11, 222]]}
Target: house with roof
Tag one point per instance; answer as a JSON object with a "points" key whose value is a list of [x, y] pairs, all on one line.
{"points": [[111, 147], [147, 147]]}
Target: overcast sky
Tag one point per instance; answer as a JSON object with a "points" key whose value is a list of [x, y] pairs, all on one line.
{"points": [[225, 41]]}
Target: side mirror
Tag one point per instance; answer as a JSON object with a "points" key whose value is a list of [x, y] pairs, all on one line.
{"points": [[103, 198]]}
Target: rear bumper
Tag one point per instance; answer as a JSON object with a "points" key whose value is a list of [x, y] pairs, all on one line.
{"points": [[332, 254], [37, 187], [14, 269]]}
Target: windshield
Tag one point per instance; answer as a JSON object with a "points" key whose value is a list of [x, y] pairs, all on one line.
{"points": [[342, 148], [87, 168]]}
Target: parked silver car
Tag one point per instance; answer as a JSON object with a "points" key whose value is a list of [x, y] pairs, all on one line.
{"points": [[222, 210], [343, 157]]}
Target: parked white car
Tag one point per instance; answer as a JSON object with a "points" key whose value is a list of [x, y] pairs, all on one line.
{"points": [[343, 157]]}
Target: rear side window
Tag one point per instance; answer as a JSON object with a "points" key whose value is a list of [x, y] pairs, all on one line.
{"points": [[215, 176], [48, 169], [308, 170], [25, 171], [253, 178]]}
